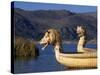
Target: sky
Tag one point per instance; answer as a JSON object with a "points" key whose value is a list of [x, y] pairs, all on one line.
{"points": [[48, 6]]}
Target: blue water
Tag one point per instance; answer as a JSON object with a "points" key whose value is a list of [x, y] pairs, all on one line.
{"points": [[46, 60]]}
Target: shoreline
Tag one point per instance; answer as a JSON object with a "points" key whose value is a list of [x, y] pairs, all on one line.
{"points": [[70, 42]]}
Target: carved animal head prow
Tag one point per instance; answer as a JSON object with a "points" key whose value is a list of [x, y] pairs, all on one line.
{"points": [[81, 31], [52, 36]]}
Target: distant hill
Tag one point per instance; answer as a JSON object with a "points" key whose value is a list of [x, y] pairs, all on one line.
{"points": [[33, 24]]}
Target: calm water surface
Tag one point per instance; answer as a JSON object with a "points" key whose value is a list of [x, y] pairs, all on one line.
{"points": [[46, 60]]}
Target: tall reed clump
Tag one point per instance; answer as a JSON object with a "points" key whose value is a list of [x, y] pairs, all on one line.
{"points": [[25, 48]]}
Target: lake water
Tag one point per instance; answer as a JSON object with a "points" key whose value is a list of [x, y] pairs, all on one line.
{"points": [[46, 61]]}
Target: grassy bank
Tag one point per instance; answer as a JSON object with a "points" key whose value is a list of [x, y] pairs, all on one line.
{"points": [[25, 48]]}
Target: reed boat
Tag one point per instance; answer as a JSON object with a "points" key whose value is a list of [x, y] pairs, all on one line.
{"points": [[83, 58], [77, 60]]}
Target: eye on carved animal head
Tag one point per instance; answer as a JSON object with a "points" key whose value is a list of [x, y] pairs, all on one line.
{"points": [[48, 32]]}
